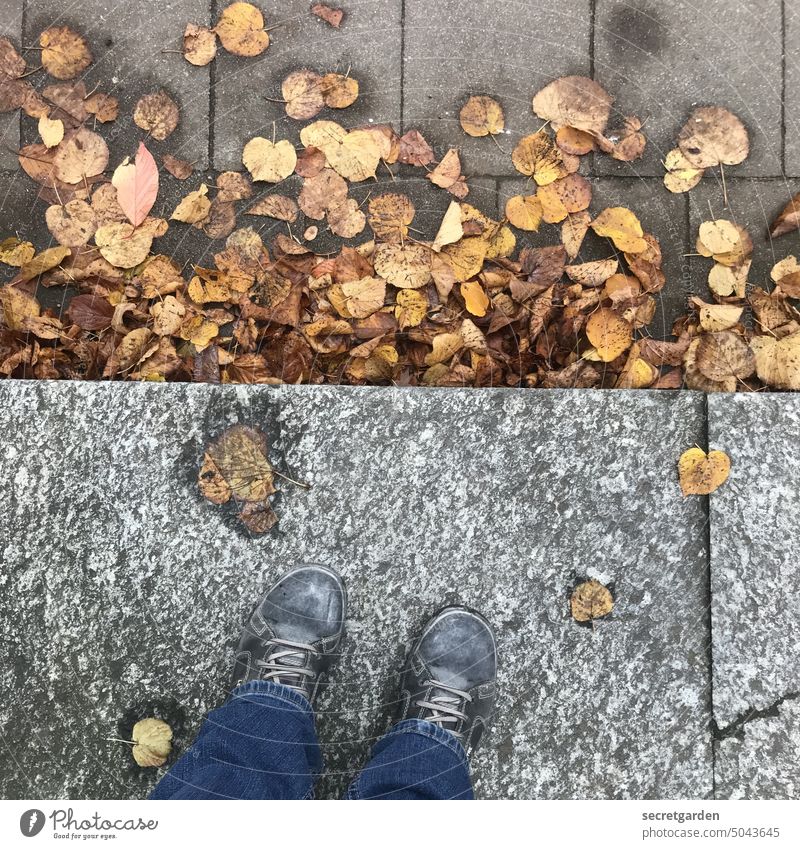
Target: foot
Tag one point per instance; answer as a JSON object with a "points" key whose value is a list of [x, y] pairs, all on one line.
{"points": [[450, 675], [294, 634]]}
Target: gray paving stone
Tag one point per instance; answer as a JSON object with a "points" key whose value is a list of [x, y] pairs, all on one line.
{"points": [[128, 42], [507, 50], [660, 212], [753, 204], [792, 89], [124, 590], [760, 761], [368, 43], [755, 553], [10, 27], [660, 60]]}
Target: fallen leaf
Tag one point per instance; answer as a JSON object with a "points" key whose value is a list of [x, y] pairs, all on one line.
{"points": [[179, 169], [577, 102], [405, 266], [451, 229], [447, 175], [536, 156], [609, 333], [590, 600], [789, 219], [411, 307], [241, 30], [701, 473], [364, 297], [302, 91], [328, 14], [125, 246], [475, 299], [338, 90], [153, 739], [524, 212], [481, 116], [778, 360], [194, 207], [65, 54], [133, 348], [137, 186], [235, 465], [593, 273], [346, 219], [414, 150], [82, 155], [681, 176], [167, 316], [51, 131], [389, 216], [276, 206], [104, 107], [713, 136], [724, 356], [267, 161], [623, 228], [199, 44], [158, 114], [72, 224]]}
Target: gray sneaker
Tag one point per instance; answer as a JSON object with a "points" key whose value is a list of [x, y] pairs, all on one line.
{"points": [[294, 634], [450, 675]]}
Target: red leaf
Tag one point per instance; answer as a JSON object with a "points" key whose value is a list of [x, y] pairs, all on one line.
{"points": [[137, 186]]}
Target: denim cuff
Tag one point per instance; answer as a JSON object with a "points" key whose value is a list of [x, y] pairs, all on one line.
{"points": [[274, 691], [432, 732]]}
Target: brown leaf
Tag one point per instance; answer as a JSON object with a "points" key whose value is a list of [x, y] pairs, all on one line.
{"points": [[414, 150], [179, 169], [328, 14], [713, 136], [65, 54], [82, 155], [789, 219], [447, 175], [302, 91], [276, 206], [158, 114], [590, 600], [389, 216], [576, 102]]}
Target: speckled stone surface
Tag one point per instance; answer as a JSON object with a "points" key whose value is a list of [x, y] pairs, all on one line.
{"points": [[123, 590], [755, 587]]}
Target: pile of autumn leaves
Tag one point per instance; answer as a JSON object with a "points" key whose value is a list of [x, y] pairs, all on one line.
{"points": [[467, 308]]}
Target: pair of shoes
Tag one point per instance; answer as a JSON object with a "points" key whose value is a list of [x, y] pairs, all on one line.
{"points": [[294, 634]]}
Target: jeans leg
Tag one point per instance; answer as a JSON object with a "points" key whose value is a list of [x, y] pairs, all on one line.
{"points": [[415, 760], [261, 744]]}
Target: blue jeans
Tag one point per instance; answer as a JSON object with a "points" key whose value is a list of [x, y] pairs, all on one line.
{"points": [[261, 744]]}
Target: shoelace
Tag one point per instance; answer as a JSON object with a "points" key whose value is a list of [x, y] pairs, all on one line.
{"points": [[444, 706], [286, 664]]}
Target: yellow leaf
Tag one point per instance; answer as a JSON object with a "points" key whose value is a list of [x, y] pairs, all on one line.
{"points": [[524, 212], [537, 156], [481, 116], [411, 309], [153, 739], [269, 162], [241, 30], [590, 600], [364, 297], [194, 207], [622, 227], [701, 473], [609, 333], [445, 346], [466, 257], [475, 298]]}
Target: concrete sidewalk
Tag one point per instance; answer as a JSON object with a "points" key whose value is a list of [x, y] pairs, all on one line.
{"points": [[124, 590]]}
